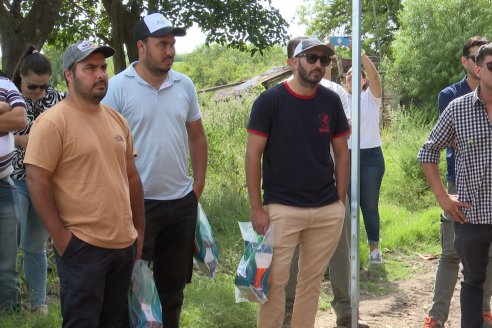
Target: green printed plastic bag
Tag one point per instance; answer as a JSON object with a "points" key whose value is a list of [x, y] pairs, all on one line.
{"points": [[253, 272], [143, 299], [206, 253]]}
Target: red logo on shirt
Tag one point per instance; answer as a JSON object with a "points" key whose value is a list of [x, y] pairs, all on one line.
{"points": [[325, 123]]}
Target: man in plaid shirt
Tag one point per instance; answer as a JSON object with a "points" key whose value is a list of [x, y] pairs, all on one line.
{"points": [[466, 124]]}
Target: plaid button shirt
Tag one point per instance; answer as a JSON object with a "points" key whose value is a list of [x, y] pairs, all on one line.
{"points": [[465, 121]]}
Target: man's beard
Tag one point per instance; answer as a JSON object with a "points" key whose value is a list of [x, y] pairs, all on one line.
{"points": [[306, 79]]}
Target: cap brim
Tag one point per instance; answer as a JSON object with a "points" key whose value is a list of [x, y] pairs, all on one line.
{"points": [[105, 50], [329, 51], [176, 31]]}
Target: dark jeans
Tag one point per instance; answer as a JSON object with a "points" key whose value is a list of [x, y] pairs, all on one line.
{"points": [[371, 176], [9, 276], [168, 243], [472, 242], [94, 284]]}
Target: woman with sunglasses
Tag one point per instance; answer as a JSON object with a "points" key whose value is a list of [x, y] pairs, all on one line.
{"points": [[32, 78], [371, 154]]}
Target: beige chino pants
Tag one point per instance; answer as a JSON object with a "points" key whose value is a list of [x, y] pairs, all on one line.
{"points": [[317, 231]]}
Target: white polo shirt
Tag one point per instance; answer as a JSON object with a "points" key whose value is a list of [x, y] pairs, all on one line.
{"points": [[157, 119]]}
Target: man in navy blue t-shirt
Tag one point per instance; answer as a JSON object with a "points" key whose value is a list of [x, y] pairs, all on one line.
{"points": [[291, 129]]}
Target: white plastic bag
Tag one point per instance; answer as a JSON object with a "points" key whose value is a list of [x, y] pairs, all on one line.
{"points": [[143, 299], [206, 255], [253, 272]]}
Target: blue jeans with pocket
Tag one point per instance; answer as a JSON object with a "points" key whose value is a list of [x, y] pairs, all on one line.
{"points": [[370, 179], [33, 237], [9, 276]]}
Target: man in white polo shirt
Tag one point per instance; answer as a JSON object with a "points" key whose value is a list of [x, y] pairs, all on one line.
{"points": [[162, 109]]}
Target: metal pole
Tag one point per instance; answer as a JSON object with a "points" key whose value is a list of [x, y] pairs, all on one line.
{"points": [[354, 173]]}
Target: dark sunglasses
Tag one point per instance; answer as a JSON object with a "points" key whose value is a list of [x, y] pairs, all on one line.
{"points": [[313, 58], [35, 86]]}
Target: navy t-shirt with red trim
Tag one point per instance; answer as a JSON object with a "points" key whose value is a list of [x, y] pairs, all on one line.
{"points": [[298, 169]]}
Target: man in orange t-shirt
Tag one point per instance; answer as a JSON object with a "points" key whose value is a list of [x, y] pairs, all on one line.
{"points": [[85, 186]]}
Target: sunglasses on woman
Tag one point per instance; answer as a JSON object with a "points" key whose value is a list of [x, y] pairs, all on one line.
{"points": [[313, 58], [33, 87]]}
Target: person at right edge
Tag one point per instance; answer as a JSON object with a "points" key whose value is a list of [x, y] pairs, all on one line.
{"points": [[448, 266], [465, 123], [161, 106]]}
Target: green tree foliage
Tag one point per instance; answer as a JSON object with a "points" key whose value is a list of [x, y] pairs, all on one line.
{"points": [[428, 46], [78, 20], [328, 18], [55, 55], [243, 24], [251, 25], [216, 65]]}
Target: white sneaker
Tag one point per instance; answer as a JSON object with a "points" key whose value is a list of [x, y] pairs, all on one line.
{"points": [[375, 257]]}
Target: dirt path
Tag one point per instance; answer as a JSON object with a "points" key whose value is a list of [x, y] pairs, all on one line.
{"points": [[405, 306]]}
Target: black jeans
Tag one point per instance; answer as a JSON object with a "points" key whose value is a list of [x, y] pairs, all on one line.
{"points": [[94, 284], [168, 243], [472, 242]]}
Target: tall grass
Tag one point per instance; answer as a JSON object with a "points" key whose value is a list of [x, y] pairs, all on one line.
{"points": [[409, 214], [404, 183], [409, 217]]}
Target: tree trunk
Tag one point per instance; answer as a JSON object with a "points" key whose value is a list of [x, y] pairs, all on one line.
{"points": [[122, 21], [116, 19], [18, 30], [133, 16]]}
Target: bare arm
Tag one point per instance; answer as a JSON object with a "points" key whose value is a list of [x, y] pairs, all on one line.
{"points": [[342, 167], [137, 203], [13, 120], [254, 152], [39, 184], [21, 140], [5, 107], [372, 75], [448, 203], [198, 154]]}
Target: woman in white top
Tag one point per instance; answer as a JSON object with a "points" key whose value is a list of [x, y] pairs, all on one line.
{"points": [[371, 155]]}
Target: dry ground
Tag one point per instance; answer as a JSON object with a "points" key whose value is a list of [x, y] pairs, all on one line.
{"points": [[405, 306]]}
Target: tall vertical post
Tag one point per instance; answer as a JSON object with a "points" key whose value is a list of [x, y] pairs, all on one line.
{"points": [[354, 171]]}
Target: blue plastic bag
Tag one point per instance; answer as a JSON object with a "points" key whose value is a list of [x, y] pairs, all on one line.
{"points": [[253, 272], [206, 253], [143, 299]]}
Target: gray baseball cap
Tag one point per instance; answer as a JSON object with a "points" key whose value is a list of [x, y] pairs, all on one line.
{"points": [[310, 43], [81, 50]]}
